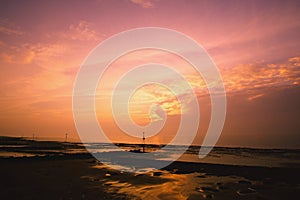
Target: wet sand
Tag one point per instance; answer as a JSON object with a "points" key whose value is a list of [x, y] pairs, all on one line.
{"points": [[80, 176]]}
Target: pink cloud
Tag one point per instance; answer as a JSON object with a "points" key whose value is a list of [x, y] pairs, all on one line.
{"points": [[143, 3], [9, 28], [81, 31]]}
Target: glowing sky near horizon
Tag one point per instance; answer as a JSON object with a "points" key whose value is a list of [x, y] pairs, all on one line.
{"points": [[255, 44]]}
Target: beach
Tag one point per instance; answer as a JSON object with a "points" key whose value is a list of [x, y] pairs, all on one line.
{"points": [[149, 100], [58, 173]]}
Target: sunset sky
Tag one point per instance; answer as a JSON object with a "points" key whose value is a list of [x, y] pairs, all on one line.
{"points": [[255, 45]]}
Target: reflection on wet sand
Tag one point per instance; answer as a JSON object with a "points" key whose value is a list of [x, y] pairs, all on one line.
{"points": [[169, 184]]}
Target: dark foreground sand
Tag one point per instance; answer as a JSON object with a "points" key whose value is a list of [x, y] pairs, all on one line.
{"points": [[81, 177], [57, 175]]}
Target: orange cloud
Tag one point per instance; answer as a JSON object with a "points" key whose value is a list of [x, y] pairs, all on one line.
{"points": [[252, 79], [42, 54], [36, 84], [149, 98], [262, 75]]}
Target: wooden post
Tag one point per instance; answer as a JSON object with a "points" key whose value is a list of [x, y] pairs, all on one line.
{"points": [[143, 142]]}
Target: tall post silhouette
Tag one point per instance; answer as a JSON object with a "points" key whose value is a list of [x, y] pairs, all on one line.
{"points": [[66, 139], [143, 145]]}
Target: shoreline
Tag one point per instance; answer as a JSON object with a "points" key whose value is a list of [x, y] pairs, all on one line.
{"points": [[122, 144], [56, 172], [287, 174]]}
